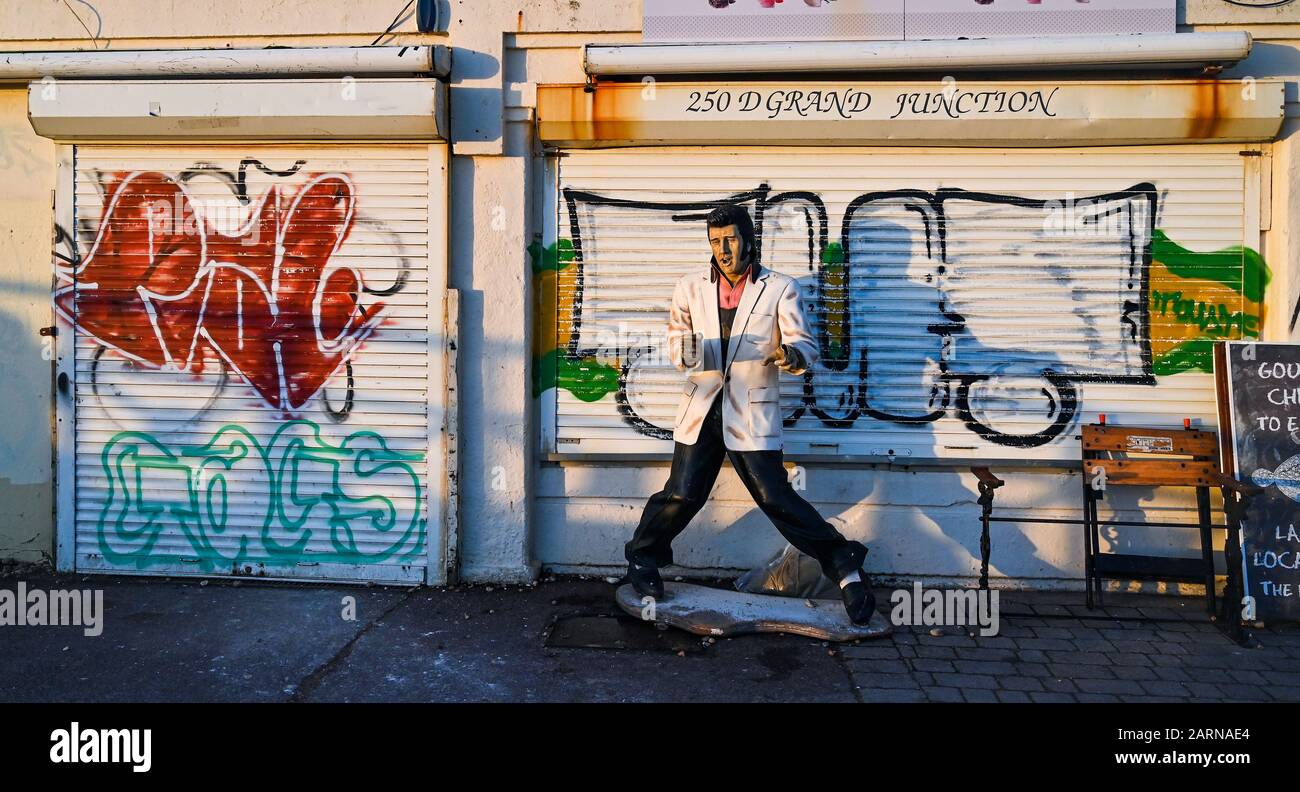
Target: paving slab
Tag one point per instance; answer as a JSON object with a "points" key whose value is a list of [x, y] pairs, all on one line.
{"points": [[179, 640]]}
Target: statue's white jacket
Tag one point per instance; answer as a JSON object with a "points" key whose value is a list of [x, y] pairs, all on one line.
{"points": [[770, 314]]}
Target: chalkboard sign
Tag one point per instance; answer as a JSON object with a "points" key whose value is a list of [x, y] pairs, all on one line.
{"points": [[1259, 419]]}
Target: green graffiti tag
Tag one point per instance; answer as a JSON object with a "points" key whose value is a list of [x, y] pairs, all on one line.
{"points": [[555, 256], [1239, 268], [587, 378], [1197, 298], [169, 505], [835, 303]]}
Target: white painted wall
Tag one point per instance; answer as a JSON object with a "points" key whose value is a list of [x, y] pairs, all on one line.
{"points": [[26, 489], [916, 524], [499, 52]]}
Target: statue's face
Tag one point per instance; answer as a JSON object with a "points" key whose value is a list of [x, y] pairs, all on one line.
{"points": [[728, 249]]}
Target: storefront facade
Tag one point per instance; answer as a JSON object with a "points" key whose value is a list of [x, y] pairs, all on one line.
{"points": [[982, 287], [249, 347], [976, 300]]}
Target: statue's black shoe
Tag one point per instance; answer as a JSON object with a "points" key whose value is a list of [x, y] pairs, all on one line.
{"points": [[645, 579], [859, 602]]}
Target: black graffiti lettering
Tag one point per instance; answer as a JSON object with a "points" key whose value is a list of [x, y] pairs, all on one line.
{"points": [[1131, 308], [340, 414], [238, 180], [960, 382], [108, 397]]}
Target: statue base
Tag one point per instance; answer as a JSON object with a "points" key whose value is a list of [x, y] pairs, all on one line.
{"points": [[723, 613]]}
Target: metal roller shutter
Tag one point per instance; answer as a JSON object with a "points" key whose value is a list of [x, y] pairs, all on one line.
{"points": [[252, 356], [971, 304]]}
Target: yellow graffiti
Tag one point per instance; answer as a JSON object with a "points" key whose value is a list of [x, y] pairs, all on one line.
{"points": [[555, 290], [1199, 298]]}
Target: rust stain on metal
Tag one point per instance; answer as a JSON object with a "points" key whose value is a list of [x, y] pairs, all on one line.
{"points": [[613, 111], [602, 111], [1207, 110]]}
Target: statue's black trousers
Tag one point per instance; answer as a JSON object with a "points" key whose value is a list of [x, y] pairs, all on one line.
{"points": [[695, 469]]}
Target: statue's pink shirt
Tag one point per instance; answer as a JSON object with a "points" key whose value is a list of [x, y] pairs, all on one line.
{"points": [[729, 294]]}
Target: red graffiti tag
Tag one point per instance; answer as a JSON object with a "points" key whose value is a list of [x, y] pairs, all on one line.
{"points": [[159, 285]]}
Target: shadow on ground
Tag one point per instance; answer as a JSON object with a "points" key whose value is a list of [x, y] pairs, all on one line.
{"points": [[184, 640], [178, 640]]}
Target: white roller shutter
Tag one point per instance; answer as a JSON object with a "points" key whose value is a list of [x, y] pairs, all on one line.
{"points": [[252, 360], [971, 304]]}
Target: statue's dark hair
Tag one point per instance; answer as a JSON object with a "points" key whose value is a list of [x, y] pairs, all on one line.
{"points": [[724, 216]]}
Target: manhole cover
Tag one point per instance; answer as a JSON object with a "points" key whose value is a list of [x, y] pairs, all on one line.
{"points": [[618, 632]]}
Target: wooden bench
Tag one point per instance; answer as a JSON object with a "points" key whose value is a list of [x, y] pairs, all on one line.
{"points": [[1137, 456]]}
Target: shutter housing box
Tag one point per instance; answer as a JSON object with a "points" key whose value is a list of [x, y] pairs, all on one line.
{"points": [[298, 109]]}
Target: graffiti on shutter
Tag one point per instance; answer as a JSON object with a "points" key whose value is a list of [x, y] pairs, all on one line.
{"points": [[251, 379], [940, 311]]}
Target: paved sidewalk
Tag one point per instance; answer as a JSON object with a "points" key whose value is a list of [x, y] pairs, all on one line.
{"points": [[180, 640], [1052, 648]]}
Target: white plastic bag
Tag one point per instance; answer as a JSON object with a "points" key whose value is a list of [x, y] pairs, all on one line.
{"points": [[789, 574]]}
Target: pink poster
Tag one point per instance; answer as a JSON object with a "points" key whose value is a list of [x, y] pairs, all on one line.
{"points": [[948, 19], [865, 20], [772, 20]]}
